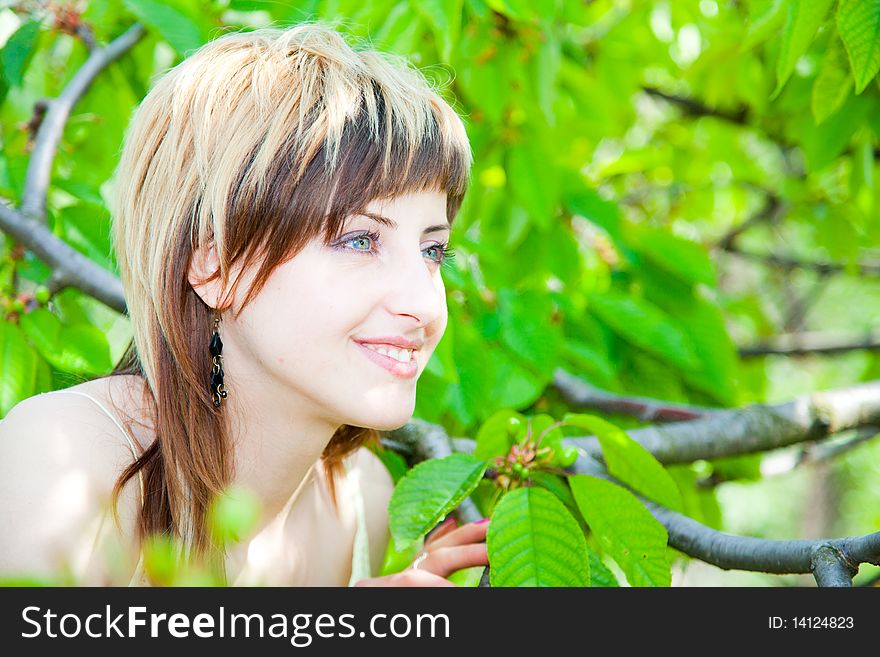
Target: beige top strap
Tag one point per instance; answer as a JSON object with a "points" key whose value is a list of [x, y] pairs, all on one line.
{"points": [[128, 438]]}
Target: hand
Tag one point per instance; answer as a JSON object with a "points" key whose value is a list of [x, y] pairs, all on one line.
{"points": [[449, 548]]}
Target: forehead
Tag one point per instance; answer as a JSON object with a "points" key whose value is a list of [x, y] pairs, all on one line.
{"points": [[419, 208]]}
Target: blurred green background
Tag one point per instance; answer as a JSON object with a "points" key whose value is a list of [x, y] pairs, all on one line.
{"points": [[663, 191]]}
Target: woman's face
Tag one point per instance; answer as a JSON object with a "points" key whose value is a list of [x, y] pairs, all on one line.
{"points": [[303, 334]]}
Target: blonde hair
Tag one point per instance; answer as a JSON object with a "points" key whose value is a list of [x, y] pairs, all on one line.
{"points": [[259, 141]]}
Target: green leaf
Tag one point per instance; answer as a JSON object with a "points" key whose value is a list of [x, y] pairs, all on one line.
{"points": [[600, 574], [646, 326], [822, 143], [562, 456], [558, 485], [833, 83], [591, 365], [18, 363], [764, 19], [498, 433], [430, 491], [175, 26], [444, 17], [625, 529], [86, 227], [534, 541], [393, 462], [475, 374], [546, 64], [234, 514], [81, 348], [18, 51], [858, 22], [533, 181], [514, 385], [804, 19], [629, 461], [528, 329], [680, 257]]}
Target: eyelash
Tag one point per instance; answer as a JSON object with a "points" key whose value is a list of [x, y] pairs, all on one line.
{"points": [[446, 252]]}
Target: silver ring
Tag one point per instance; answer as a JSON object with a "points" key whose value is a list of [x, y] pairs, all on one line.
{"points": [[419, 559]]}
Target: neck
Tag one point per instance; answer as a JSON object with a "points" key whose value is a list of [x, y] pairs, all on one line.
{"points": [[275, 438]]}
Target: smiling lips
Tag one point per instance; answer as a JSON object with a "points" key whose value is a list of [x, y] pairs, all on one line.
{"points": [[399, 362]]}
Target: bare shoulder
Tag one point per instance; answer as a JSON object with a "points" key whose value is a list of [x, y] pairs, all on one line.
{"points": [[60, 456], [373, 477], [376, 487]]}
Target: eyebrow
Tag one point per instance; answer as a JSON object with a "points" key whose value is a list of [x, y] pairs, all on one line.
{"points": [[393, 224]]}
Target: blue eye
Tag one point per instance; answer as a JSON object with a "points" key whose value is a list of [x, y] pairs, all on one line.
{"points": [[444, 252], [362, 237]]}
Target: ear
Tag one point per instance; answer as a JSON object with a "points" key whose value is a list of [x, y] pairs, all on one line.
{"points": [[203, 265]]}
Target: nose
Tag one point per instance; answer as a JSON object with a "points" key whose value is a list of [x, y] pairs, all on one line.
{"points": [[415, 288]]}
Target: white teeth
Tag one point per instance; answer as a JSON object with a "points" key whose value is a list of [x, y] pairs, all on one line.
{"points": [[403, 355]]}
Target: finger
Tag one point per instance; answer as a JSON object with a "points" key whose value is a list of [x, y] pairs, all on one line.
{"points": [[418, 577], [408, 578], [473, 532], [442, 529], [446, 560]]}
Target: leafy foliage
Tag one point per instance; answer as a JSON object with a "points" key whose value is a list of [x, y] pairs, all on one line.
{"points": [[624, 155]]}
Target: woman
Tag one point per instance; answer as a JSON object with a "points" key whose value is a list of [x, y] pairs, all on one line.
{"points": [[282, 211]]}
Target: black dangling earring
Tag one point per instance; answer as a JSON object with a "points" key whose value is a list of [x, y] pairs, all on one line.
{"points": [[218, 390]]}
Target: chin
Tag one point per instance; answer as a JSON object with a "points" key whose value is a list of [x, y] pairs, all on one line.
{"points": [[388, 422]]}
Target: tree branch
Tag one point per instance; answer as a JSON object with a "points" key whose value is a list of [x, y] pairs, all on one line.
{"points": [[809, 454], [69, 265], [831, 568], [27, 224], [787, 263], [731, 552], [51, 129], [580, 395], [811, 342], [773, 209], [755, 428], [696, 109], [424, 441]]}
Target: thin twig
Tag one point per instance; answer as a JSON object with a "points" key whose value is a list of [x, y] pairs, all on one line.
{"points": [[787, 263], [51, 129], [811, 343]]}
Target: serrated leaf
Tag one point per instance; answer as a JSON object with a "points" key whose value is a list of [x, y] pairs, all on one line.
{"points": [[534, 541], [833, 83], [393, 462], [600, 574], [18, 51], [527, 328], [557, 485], [804, 19], [546, 437], [646, 326], [81, 348], [764, 20], [429, 492], [175, 26], [858, 22], [532, 181], [444, 17], [499, 432], [625, 529], [18, 367], [682, 258], [629, 461]]}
